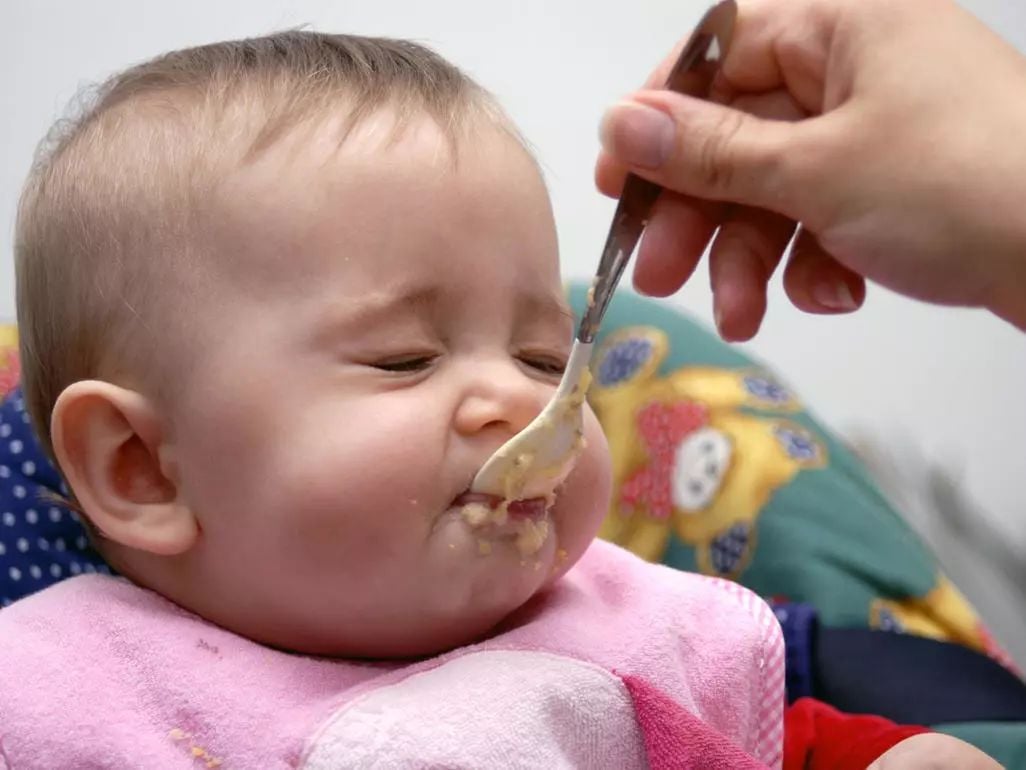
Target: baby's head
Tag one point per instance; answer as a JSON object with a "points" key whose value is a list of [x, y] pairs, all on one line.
{"points": [[279, 301]]}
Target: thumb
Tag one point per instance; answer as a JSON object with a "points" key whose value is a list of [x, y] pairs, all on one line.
{"points": [[705, 150]]}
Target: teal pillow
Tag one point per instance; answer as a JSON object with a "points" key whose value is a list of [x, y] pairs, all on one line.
{"points": [[719, 468]]}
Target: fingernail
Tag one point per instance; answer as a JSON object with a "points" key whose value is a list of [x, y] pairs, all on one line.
{"points": [[637, 135], [834, 296]]}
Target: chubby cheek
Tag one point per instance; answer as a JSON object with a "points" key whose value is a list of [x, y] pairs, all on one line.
{"points": [[362, 483], [584, 501], [314, 479]]}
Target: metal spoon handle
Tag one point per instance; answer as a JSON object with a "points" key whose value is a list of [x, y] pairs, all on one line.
{"points": [[692, 74]]}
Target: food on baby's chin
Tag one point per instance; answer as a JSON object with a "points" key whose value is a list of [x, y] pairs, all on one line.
{"points": [[531, 536]]}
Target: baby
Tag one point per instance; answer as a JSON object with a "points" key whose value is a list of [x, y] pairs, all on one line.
{"points": [[279, 300]]}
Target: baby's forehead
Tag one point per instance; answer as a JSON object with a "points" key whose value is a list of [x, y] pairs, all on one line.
{"points": [[383, 200], [329, 169]]}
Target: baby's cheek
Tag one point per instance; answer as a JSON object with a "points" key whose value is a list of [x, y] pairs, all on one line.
{"points": [[598, 467], [585, 498], [323, 489], [343, 513], [332, 454]]}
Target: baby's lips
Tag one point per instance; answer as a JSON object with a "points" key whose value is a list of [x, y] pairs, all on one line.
{"points": [[468, 498], [531, 508]]}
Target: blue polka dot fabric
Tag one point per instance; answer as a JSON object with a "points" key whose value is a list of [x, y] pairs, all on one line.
{"points": [[41, 541]]}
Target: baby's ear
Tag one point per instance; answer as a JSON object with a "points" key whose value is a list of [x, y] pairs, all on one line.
{"points": [[111, 445]]}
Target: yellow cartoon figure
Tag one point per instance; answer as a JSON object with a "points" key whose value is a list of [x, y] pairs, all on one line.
{"points": [[698, 452]]}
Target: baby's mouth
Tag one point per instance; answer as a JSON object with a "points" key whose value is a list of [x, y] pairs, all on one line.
{"points": [[531, 508], [526, 521]]}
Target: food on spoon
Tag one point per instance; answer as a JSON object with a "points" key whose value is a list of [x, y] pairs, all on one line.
{"points": [[539, 458]]}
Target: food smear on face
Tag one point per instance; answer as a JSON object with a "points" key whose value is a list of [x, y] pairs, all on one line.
{"points": [[531, 536], [560, 560]]}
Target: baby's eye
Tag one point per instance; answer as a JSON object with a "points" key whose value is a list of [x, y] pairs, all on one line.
{"points": [[550, 365], [405, 365]]}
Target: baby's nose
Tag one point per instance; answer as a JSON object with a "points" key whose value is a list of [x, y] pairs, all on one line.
{"points": [[506, 401]]}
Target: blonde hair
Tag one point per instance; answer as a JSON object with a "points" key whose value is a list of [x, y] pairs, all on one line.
{"points": [[107, 212]]}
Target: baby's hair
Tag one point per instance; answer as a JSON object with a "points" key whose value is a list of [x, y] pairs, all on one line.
{"points": [[105, 235]]}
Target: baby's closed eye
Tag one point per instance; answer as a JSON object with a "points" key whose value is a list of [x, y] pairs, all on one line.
{"points": [[551, 364], [405, 363]]}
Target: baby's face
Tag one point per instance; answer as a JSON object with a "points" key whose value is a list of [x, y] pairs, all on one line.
{"points": [[384, 321]]}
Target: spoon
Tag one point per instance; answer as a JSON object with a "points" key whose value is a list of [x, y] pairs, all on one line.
{"points": [[538, 459]]}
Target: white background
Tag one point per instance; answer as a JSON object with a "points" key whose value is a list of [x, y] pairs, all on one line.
{"points": [[951, 383]]}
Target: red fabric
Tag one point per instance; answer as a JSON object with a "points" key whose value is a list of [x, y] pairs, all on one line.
{"points": [[9, 370], [677, 740], [819, 737]]}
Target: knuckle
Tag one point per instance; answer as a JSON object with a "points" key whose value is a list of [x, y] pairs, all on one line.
{"points": [[717, 155]]}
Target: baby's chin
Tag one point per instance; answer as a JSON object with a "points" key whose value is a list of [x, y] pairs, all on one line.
{"points": [[452, 623], [479, 581], [493, 566], [495, 536], [412, 642], [470, 594]]}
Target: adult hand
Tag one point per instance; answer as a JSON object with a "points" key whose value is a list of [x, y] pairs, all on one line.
{"points": [[933, 751], [891, 131]]}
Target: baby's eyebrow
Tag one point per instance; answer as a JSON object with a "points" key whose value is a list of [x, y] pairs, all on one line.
{"points": [[377, 307], [532, 307]]}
